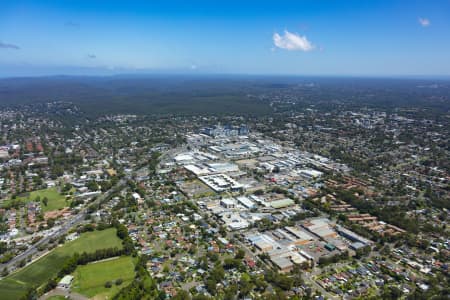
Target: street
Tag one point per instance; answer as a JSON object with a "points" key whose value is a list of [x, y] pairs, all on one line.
{"points": [[76, 220]]}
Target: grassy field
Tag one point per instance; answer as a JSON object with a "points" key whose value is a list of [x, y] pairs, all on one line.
{"points": [[38, 273], [55, 199], [89, 280]]}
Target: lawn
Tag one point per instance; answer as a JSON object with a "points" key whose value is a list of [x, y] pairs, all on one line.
{"points": [[38, 273], [89, 280], [55, 199]]}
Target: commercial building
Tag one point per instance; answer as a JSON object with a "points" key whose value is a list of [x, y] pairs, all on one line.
{"points": [[285, 259], [320, 227], [310, 173], [282, 203], [197, 170], [246, 202], [284, 264], [350, 235], [303, 238], [263, 242], [357, 245], [234, 221], [224, 131], [228, 203], [221, 182], [223, 167]]}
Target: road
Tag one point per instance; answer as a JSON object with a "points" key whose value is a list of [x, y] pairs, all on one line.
{"points": [[307, 277], [63, 292], [61, 231]]}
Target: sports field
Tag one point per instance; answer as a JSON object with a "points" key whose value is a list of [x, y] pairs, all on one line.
{"points": [[39, 272], [89, 280]]}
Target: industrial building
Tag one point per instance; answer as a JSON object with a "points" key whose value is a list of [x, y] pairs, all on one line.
{"points": [[321, 228], [246, 202], [221, 182], [350, 235]]}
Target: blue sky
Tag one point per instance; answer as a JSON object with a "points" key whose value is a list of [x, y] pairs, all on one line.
{"points": [[352, 37]]}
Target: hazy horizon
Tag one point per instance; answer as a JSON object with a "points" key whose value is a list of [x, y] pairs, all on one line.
{"points": [[179, 73]]}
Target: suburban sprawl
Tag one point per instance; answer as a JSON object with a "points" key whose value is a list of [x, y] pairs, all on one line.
{"points": [[306, 202]]}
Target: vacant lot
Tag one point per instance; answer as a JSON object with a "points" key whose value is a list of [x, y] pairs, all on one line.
{"points": [[196, 189], [89, 280], [38, 273]]}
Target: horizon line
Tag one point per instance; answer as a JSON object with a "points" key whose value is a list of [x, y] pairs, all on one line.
{"points": [[225, 74]]}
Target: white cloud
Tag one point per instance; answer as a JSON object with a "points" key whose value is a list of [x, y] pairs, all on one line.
{"points": [[424, 22], [292, 42]]}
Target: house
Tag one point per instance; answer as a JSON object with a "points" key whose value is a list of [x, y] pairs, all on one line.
{"points": [[136, 196]]}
